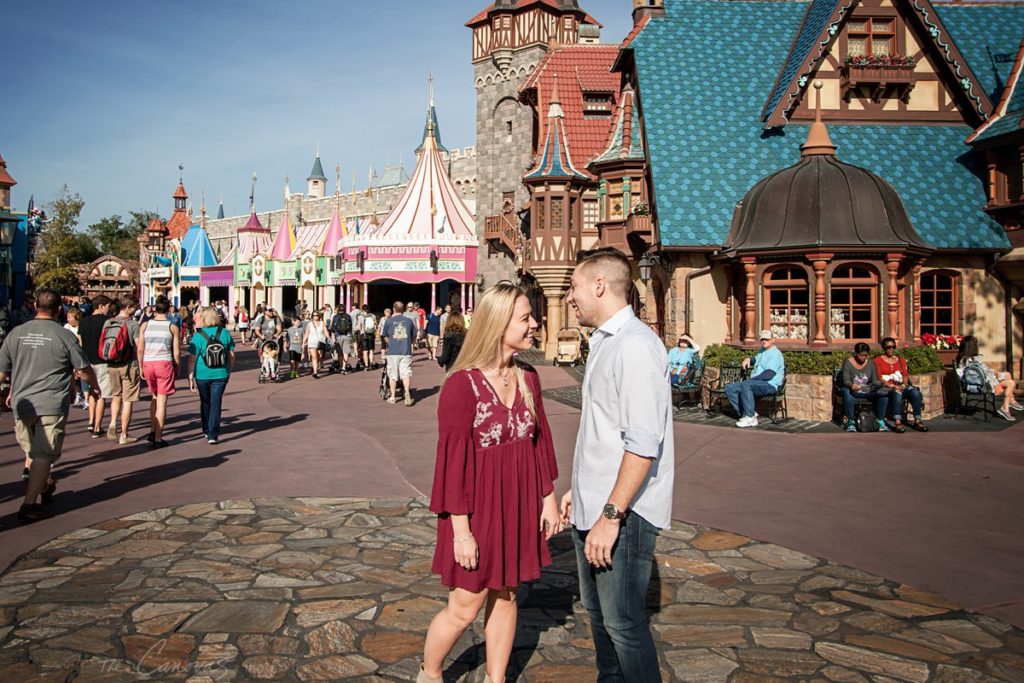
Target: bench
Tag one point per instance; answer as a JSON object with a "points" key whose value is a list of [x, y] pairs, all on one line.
{"points": [[839, 416], [729, 374], [967, 397]]}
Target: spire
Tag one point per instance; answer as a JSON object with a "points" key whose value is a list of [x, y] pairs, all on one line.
{"points": [[287, 194], [202, 208], [818, 141], [284, 244], [624, 141], [252, 195], [334, 235], [556, 161], [220, 209], [431, 127], [318, 170], [337, 180]]}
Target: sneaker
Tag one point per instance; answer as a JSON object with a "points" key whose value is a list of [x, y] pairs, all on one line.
{"points": [[1005, 415], [851, 426], [212, 441], [408, 399], [151, 437], [112, 432], [24, 474], [746, 421], [125, 439], [96, 433], [392, 399], [33, 512], [1016, 406], [882, 427], [158, 444]]}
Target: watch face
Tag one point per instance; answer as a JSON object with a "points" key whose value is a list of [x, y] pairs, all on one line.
{"points": [[610, 511]]}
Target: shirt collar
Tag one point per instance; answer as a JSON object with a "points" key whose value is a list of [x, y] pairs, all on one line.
{"points": [[615, 323]]}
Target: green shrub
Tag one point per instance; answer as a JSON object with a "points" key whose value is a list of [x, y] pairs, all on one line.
{"points": [[920, 359]]}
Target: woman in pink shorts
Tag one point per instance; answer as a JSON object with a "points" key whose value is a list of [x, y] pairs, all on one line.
{"points": [[160, 352]]}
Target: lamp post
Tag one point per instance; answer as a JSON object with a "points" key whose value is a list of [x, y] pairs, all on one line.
{"points": [[646, 264], [8, 231]]}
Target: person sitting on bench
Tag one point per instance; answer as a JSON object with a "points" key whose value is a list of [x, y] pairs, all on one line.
{"points": [[860, 380], [681, 358], [893, 373], [765, 379]]}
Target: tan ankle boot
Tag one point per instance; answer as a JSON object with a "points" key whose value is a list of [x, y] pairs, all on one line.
{"points": [[422, 677]]}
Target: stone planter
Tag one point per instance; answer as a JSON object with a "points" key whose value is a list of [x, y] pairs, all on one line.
{"points": [[809, 397], [947, 357]]}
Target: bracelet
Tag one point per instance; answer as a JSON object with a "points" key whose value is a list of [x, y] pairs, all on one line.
{"points": [[463, 539]]}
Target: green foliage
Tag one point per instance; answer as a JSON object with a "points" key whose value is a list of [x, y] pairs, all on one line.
{"points": [[60, 246], [115, 236], [920, 359], [63, 279]]}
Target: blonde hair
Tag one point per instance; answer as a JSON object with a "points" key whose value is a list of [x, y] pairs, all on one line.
{"points": [[207, 316], [482, 346]]}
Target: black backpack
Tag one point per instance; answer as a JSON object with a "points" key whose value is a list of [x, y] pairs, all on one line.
{"points": [[216, 353], [342, 324], [866, 420]]}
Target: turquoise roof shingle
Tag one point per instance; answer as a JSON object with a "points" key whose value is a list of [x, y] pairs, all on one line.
{"points": [[196, 250], [707, 146]]}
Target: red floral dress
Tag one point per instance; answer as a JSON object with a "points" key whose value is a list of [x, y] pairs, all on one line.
{"points": [[495, 464]]}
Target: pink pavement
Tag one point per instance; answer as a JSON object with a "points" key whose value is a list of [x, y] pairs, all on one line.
{"points": [[937, 511]]}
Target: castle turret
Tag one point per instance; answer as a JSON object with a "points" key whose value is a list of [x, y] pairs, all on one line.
{"points": [[317, 180]]}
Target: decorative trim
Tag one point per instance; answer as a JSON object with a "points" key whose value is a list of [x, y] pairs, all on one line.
{"points": [[967, 81]]}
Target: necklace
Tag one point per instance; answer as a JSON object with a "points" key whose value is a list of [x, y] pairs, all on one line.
{"points": [[502, 375]]}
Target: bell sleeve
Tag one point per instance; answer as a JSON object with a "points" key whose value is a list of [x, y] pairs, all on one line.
{"points": [[542, 438], [455, 467]]}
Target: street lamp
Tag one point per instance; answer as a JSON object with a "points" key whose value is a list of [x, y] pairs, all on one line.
{"points": [[645, 266], [8, 229]]}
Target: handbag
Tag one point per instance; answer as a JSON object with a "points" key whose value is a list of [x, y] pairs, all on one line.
{"points": [[866, 420]]}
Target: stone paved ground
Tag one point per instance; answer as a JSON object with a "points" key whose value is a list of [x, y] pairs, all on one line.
{"points": [[303, 589]]}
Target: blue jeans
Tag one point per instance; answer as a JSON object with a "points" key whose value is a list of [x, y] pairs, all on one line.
{"points": [[913, 394], [743, 395], [879, 398], [211, 395], [616, 599]]}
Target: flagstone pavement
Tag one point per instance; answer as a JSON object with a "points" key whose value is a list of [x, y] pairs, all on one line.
{"points": [[299, 550]]}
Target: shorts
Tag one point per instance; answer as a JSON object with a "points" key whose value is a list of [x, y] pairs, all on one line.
{"points": [[369, 342], [344, 344], [41, 436], [399, 366], [103, 379], [159, 376], [432, 340], [295, 356], [125, 382]]}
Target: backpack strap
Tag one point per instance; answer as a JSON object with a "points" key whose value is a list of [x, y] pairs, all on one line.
{"points": [[205, 336]]}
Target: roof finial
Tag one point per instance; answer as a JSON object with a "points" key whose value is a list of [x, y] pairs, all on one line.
{"points": [[555, 110], [286, 192], [554, 91], [430, 87], [181, 170], [337, 179], [252, 195], [317, 149], [202, 208], [818, 141]]}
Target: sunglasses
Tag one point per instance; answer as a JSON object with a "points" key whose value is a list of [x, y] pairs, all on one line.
{"points": [[888, 348]]}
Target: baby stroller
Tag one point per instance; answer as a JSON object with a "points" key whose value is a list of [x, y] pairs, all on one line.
{"points": [[269, 345], [385, 387], [569, 347]]}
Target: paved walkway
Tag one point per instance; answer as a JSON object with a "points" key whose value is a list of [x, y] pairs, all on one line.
{"points": [[877, 502], [314, 589]]}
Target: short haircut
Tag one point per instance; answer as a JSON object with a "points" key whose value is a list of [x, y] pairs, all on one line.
{"points": [[128, 301], [161, 305], [887, 340], [399, 307], [101, 300], [74, 313], [612, 264], [207, 316], [861, 347], [48, 300]]}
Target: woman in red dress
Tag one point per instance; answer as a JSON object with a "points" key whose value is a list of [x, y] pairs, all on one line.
{"points": [[493, 482]]}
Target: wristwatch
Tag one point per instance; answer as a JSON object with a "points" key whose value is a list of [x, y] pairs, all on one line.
{"points": [[612, 512]]}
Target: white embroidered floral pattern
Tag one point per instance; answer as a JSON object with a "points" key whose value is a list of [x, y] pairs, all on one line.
{"points": [[519, 425]]}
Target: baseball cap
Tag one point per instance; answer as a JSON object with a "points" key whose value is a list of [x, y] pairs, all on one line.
{"points": [[765, 334]]}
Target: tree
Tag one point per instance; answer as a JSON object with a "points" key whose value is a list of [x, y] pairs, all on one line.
{"points": [[115, 236], [61, 248]]}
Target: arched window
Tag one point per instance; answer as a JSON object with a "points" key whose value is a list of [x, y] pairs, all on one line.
{"points": [[853, 304], [939, 296], [787, 302]]}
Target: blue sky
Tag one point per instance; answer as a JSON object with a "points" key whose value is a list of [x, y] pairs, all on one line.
{"points": [[110, 97]]}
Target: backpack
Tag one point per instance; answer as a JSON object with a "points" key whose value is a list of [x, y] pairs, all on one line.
{"points": [[369, 324], [115, 342], [343, 324], [866, 420], [215, 355], [975, 378]]}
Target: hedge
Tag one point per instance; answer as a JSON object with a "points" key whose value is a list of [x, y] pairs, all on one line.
{"points": [[920, 359]]}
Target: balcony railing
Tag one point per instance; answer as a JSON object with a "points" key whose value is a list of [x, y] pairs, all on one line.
{"points": [[878, 79], [501, 230]]}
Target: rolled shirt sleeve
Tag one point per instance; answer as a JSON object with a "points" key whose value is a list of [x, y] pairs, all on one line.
{"points": [[643, 380]]}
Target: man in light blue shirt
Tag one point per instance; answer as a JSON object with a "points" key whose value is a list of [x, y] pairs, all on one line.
{"points": [[765, 379], [623, 467]]}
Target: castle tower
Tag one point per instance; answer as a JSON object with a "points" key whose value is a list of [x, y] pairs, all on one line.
{"points": [[509, 39], [317, 180], [647, 8], [179, 222]]}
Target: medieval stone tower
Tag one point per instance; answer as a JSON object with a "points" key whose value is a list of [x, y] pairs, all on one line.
{"points": [[509, 40]]}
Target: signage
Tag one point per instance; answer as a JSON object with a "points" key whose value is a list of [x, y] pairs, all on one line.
{"points": [[159, 273], [291, 282]]}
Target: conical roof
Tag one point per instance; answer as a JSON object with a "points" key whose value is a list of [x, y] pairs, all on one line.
{"points": [[5, 177], [253, 239], [220, 211], [196, 250], [318, 171], [624, 142], [431, 208], [284, 244], [253, 224], [432, 119], [180, 193], [556, 161], [335, 233]]}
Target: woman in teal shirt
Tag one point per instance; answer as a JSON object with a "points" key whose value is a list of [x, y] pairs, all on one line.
{"points": [[210, 382], [680, 357]]}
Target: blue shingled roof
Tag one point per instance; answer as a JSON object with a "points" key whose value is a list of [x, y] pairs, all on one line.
{"points": [[987, 37], [196, 250], [707, 146], [817, 17]]}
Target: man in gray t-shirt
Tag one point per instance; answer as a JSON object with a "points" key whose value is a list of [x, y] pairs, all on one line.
{"points": [[295, 334], [41, 358]]}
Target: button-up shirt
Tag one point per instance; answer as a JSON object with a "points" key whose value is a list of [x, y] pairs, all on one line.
{"points": [[627, 406]]}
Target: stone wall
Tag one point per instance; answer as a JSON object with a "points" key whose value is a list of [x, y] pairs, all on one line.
{"points": [[809, 397]]}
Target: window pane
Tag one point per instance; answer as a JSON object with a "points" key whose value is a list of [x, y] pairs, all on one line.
{"points": [[927, 316], [778, 297], [800, 297], [944, 298], [857, 46], [944, 315], [859, 273], [927, 299], [862, 296], [857, 26], [881, 46], [861, 331], [881, 26], [840, 295]]}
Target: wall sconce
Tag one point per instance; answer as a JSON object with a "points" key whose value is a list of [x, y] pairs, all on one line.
{"points": [[433, 261], [646, 264], [360, 261]]}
